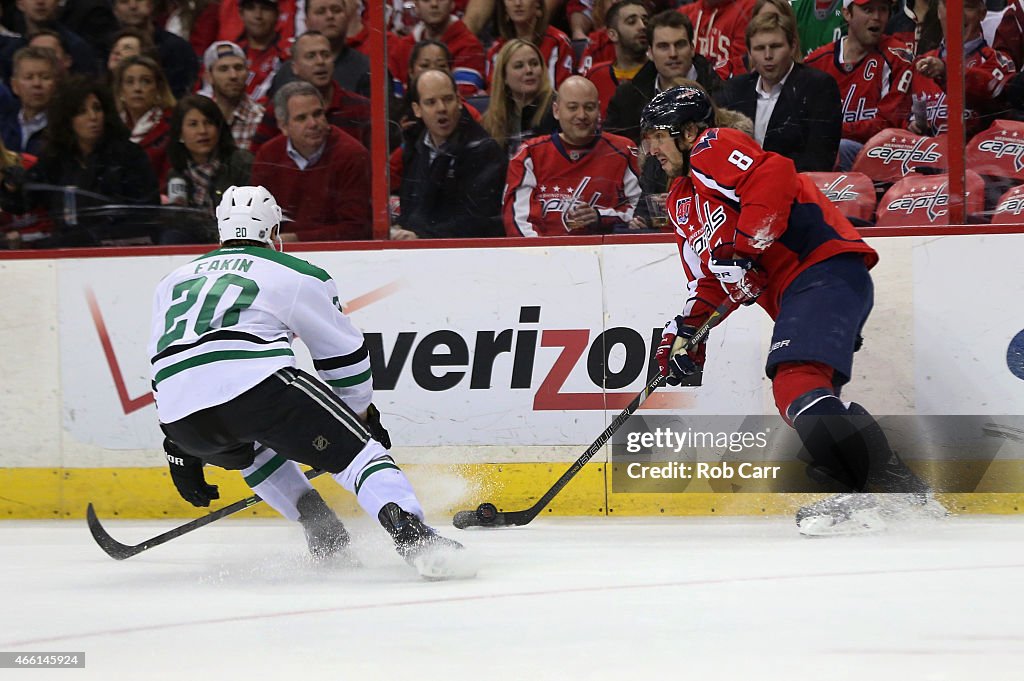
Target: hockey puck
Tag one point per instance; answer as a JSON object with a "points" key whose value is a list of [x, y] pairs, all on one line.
{"points": [[486, 513]]}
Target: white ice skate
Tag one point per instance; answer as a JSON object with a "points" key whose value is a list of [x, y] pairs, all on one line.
{"points": [[842, 514]]}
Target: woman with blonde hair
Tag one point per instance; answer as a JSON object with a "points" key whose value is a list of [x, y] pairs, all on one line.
{"points": [[528, 20], [145, 103], [521, 95]]}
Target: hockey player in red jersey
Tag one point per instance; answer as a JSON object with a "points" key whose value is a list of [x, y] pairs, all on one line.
{"points": [[752, 230], [873, 72], [574, 180]]}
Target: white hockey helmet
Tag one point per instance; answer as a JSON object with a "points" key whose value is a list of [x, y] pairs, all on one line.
{"points": [[249, 213]]}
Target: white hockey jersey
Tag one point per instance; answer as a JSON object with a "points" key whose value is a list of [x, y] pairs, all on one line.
{"points": [[225, 322]]}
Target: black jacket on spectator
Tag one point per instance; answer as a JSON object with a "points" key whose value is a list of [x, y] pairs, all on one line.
{"points": [[458, 194], [351, 71], [83, 58], [200, 225], [179, 61], [807, 121], [10, 130], [94, 20], [547, 125], [630, 98], [118, 173]]}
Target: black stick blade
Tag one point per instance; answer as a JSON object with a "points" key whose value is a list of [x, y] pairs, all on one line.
{"points": [[464, 519], [110, 546]]}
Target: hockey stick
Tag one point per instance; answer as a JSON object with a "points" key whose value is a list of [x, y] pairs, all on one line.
{"points": [[119, 551], [488, 515]]}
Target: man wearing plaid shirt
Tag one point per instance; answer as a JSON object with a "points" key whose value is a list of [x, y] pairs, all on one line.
{"points": [[226, 70]]}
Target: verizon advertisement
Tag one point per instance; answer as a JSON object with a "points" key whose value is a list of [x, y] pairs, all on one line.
{"points": [[507, 346], [513, 348]]}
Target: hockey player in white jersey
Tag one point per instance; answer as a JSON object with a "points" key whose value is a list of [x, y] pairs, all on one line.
{"points": [[228, 392]]}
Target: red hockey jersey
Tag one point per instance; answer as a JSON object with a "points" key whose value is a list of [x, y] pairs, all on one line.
{"points": [[875, 91], [753, 204], [467, 56], [556, 49], [1009, 37], [263, 64], [546, 179], [599, 48], [986, 73], [720, 32], [604, 79]]}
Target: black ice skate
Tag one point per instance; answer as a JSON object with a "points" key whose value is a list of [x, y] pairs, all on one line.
{"points": [[842, 514], [325, 533], [434, 557]]}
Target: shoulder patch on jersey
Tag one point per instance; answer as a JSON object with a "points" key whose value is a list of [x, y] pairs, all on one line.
{"points": [[704, 141], [901, 53], [1004, 61], [683, 210]]}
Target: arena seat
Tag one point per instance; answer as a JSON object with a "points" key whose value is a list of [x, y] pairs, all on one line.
{"points": [[1010, 208], [998, 151], [479, 102], [852, 193], [894, 153], [924, 200]]}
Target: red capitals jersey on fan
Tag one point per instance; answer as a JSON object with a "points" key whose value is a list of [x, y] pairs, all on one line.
{"points": [[546, 178], [263, 64], [556, 49], [986, 73], [720, 32], [742, 202], [603, 77], [467, 56], [875, 91], [1009, 37], [599, 48]]}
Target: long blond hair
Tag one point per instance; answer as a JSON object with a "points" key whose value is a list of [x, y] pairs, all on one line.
{"points": [[501, 108], [164, 97], [7, 157]]}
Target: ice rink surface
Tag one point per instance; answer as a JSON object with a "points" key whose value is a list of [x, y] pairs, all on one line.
{"points": [[595, 598]]}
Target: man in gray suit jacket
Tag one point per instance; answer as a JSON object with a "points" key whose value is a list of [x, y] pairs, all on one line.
{"points": [[796, 110]]}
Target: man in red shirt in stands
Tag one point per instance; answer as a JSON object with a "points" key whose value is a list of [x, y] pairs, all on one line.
{"points": [[719, 32], [319, 174], [873, 72], [313, 63], [627, 30], [986, 74], [575, 181], [438, 23]]}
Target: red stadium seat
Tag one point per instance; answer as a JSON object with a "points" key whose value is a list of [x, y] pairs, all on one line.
{"points": [[1010, 209], [893, 154], [998, 151], [924, 200], [852, 193]]}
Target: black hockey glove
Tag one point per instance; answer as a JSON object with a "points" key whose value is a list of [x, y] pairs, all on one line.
{"points": [[376, 430], [187, 475]]}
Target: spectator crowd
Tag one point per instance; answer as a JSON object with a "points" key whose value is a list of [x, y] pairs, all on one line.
{"points": [[123, 121]]}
